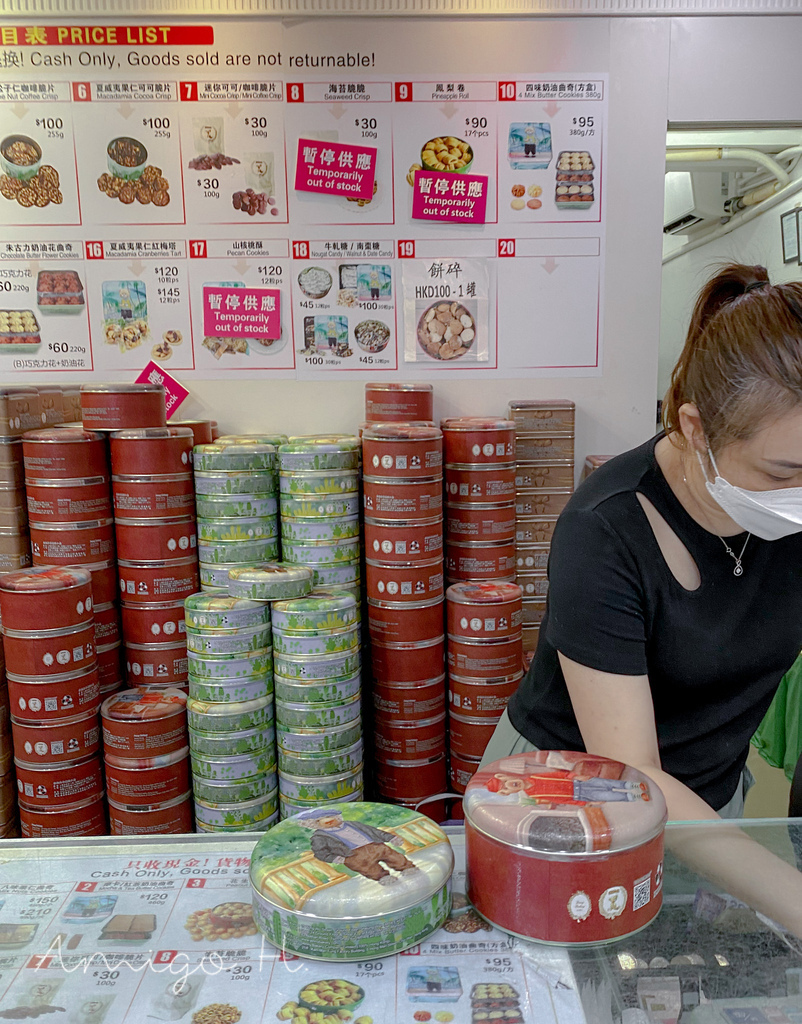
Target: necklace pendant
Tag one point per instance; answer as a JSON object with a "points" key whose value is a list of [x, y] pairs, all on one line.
{"points": [[738, 570]]}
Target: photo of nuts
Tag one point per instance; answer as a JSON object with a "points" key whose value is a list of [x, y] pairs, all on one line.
{"points": [[225, 921], [446, 153], [217, 1013], [446, 330]]}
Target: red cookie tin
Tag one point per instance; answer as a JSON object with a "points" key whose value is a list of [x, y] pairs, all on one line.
{"points": [[399, 740], [109, 666], [68, 501], [122, 406], [461, 770], [52, 597], [411, 780], [484, 659], [483, 610], [541, 502], [154, 540], [396, 623], [402, 450], [153, 623], [82, 818], [61, 784], [410, 701], [139, 722], [403, 540], [107, 624], [172, 817], [398, 402], [487, 485], [147, 780], [407, 663], [481, 698], [478, 440], [76, 543], [156, 663], [550, 475], [483, 523], [402, 499], [64, 739], [153, 497], [165, 450], [37, 699], [67, 453], [564, 847], [469, 735], [203, 431], [408, 582], [474, 561], [104, 581], [146, 582], [48, 653]]}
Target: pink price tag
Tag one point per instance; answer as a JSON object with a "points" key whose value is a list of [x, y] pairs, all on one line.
{"points": [[174, 393], [335, 169], [241, 312], [442, 195]]}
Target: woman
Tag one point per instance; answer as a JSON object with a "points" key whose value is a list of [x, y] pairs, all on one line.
{"points": [[675, 601]]}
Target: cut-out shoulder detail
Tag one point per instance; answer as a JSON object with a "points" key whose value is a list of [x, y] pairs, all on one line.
{"points": [[677, 557]]}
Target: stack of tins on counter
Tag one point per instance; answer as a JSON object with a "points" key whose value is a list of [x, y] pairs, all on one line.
{"points": [[230, 712], [403, 495], [485, 666], [317, 669], [147, 761], [8, 800], [235, 485], [19, 412], [544, 481], [67, 482], [54, 697], [319, 495], [154, 520]]}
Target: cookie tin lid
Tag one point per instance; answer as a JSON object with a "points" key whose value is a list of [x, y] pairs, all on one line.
{"points": [[144, 705], [321, 443], [143, 763], [563, 803], [270, 581], [227, 455], [319, 610], [41, 578], [151, 433], [221, 611], [230, 709], [301, 865], [400, 432], [62, 435], [399, 386], [476, 423], [483, 593], [248, 439]]}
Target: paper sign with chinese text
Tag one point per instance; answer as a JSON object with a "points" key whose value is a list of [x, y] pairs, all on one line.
{"points": [[459, 198], [242, 312], [174, 393], [335, 169]]}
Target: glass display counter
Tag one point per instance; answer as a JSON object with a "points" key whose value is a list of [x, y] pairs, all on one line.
{"points": [[104, 931]]}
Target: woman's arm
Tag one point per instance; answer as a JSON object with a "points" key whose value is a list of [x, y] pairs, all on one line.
{"points": [[615, 715]]}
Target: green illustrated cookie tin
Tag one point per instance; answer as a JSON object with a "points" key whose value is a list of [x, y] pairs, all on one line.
{"points": [[221, 791], [273, 581], [316, 691], [336, 575], [320, 453], [343, 481], [207, 716], [242, 552], [253, 457], [235, 482], [311, 644], [327, 506], [234, 768], [217, 575], [289, 807], [259, 826], [227, 743], [320, 530], [320, 881], [205, 611], [302, 741], [315, 612], [230, 691], [330, 666], [236, 528], [246, 440], [354, 589], [224, 666], [316, 789], [246, 812], [324, 553], [320, 762], [245, 640], [318, 716], [222, 506]]}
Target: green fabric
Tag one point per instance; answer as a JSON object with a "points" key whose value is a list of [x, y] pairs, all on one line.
{"points": [[779, 735]]}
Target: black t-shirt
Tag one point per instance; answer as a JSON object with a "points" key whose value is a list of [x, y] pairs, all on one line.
{"points": [[714, 656]]}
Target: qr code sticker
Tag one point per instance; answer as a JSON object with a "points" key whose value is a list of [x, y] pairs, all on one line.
{"points": [[642, 892]]}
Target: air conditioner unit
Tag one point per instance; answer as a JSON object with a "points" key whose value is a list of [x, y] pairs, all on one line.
{"points": [[693, 197]]}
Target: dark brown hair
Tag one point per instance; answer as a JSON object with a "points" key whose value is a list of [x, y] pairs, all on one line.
{"points": [[742, 361]]}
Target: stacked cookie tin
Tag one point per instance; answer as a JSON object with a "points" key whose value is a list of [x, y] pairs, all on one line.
{"points": [[485, 666], [399, 403], [157, 549], [230, 713], [544, 481], [19, 412], [235, 484], [318, 707], [54, 696], [404, 574], [319, 484], [8, 789]]}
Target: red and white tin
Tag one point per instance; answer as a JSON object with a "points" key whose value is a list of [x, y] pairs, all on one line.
{"points": [[469, 735], [156, 663], [82, 818], [402, 499], [139, 722], [478, 440], [486, 485], [76, 543], [411, 780], [483, 523], [413, 702], [109, 667], [46, 699], [52, 597], [475, 561], [152, 450], [576, 854], [407, 582], [107, 624], [146, 582], [396, 623], [68, 501], [400, 740], [403, 540], [154, 540], [147, 780], [483, 610], [481, 698], [49, 653], [402, 450], [485, 659], [43, 785], [398, 402], [153, 623], [203, 431], [153, 497], [461, 770], [122, 406], [65, 739], [104, 581], [68, 453], [171, 817], [408, 663]]}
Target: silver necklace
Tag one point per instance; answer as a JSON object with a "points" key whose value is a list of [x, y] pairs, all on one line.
{"points": [[739, 569]]}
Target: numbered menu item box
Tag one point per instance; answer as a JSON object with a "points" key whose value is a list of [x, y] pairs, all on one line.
{"points": [[59, 292], [89, 908], [529, 145]]}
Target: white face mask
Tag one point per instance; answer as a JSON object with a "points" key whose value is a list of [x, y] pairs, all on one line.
{"points": [[769, 515]]}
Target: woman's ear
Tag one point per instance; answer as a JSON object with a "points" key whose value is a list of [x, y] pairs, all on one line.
{"points": [[690, 424]]}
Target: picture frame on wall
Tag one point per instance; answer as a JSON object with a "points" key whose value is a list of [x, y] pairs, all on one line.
{"points": [[789, 224]]}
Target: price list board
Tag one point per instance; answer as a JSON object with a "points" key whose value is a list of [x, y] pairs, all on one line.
{"points": [[153, 932], [198, 196]]}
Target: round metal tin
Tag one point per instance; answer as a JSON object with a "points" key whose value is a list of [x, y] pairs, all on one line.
{"points": [[68, 501], [202, 430], [483, 610], [307, 715], [319, 453], [273, 581], [53, 597], [235, 482], [122, 406], [82, 818], [246, 639], [156, 449], [65, 454], [215, 575], [403, 540], [322, 554], [53, 786], [66, 739], [238, 552], [411, 780], [482, 523], [232, 458], [109, 666], [401, 499], [316, 611], [233, 768], [461, 770], [226, 691], [146, 582], [260, 826], [313, 644], [153, 497], [486, 485], [45, 699], [239, 814], [107, 624], [404, 582], [326, 506], [220, 744], [408, 663], [209, 611], [474, 561], [319, 530], [410, 702], [400, 740], [317, 691], [478, 440], [315, 763], [104, 580], [318, 740], [210, 717], [152, 623], [404, 623], [171, 817], [147, 780], [48, 653], [245, 528], [137, 722], [335, 482], [215, 792], [322, 667], [315, 789], [222, 667], [289, 807], [402, 450], [485, 659], [398, 402], [146, 540], [469, 735], [481, 698], [156, 663], [72, 544], [339, 575]]}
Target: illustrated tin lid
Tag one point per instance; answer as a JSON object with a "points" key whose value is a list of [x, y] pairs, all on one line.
{"points": [[62, 435], [399, 387], [142, 763], [144, 705], [230, 709], [483, 593], [151, 433], [319, 609], [564, 803], [476, 423], [270, 581], [248, 439], [400, 432], [321, 443], [41, 578], [114, 389], [324, 886], [213, 611]]}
